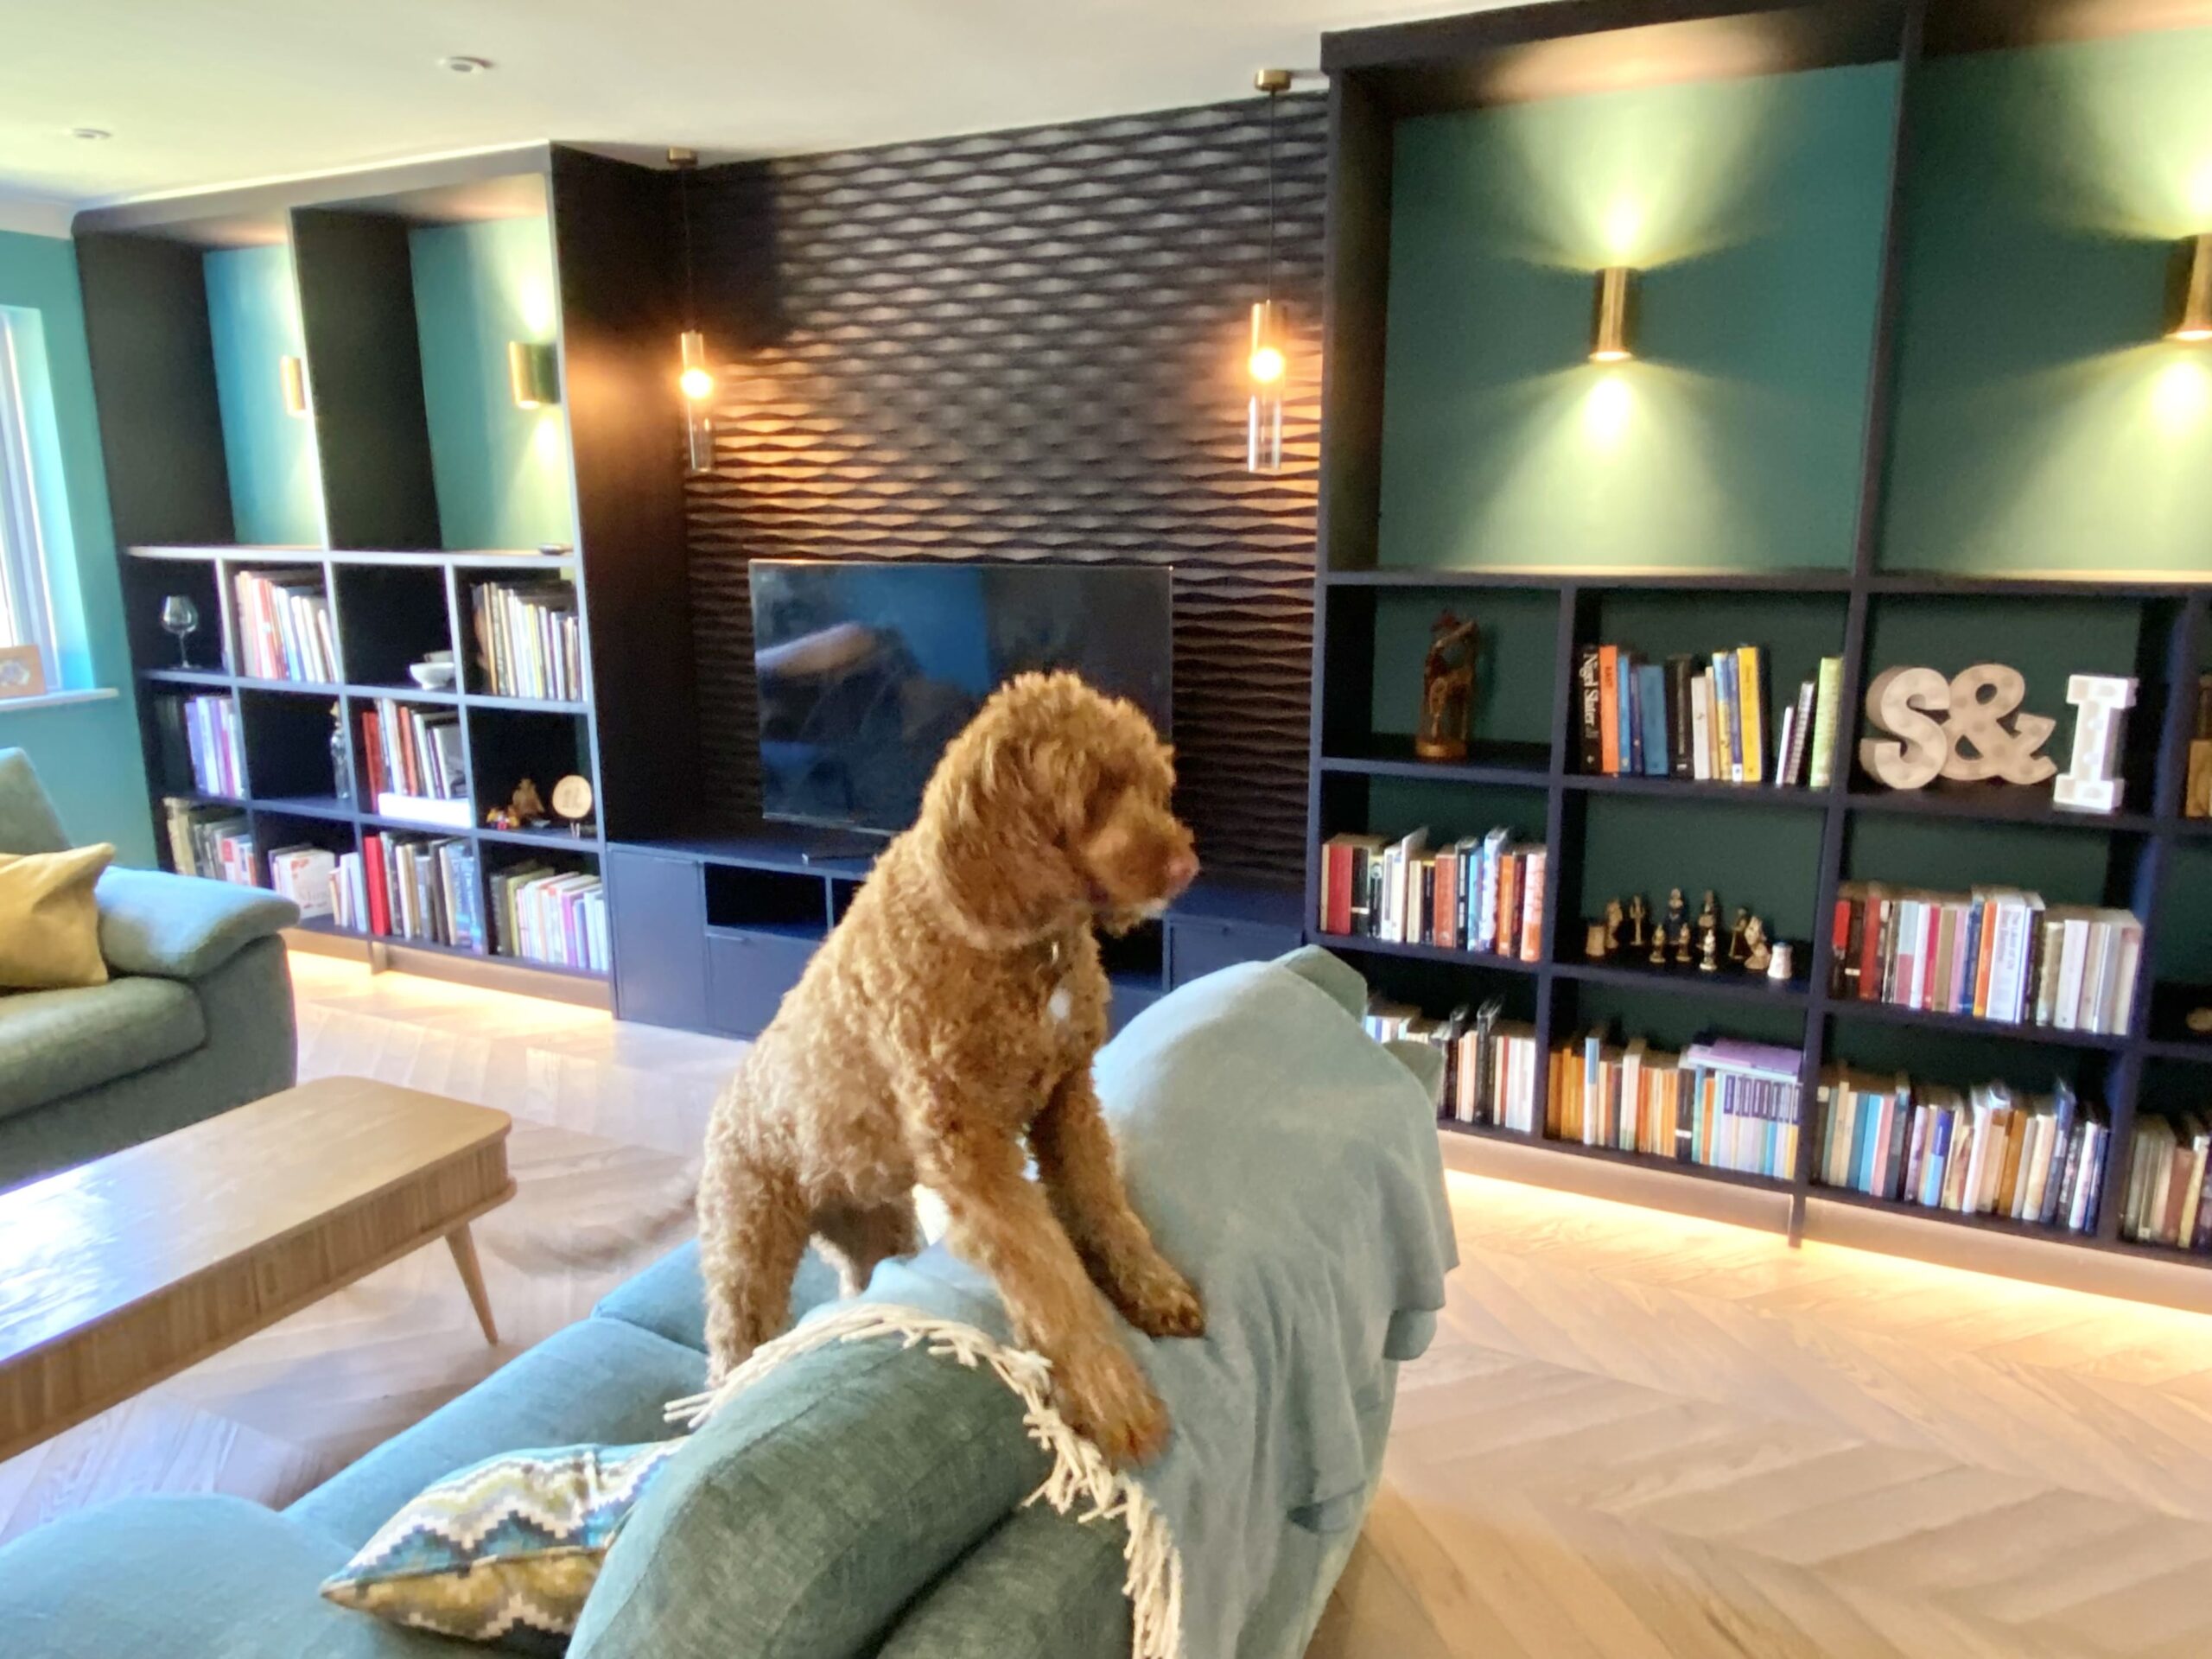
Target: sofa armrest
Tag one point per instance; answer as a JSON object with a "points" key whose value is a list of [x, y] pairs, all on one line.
{"points": [[180, 926]]}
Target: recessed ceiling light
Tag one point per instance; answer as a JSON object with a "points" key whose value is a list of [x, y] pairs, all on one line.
{"points": [[90, 134], [465, 66]]}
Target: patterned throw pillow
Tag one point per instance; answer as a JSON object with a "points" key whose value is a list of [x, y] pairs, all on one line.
{"points": [[505, 1551]]}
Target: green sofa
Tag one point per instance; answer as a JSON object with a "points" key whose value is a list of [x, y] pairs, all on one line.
{"points": [[196, 1020]]}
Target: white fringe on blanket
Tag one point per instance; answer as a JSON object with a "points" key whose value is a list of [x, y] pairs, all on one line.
{"points": [[1080, 1474]]}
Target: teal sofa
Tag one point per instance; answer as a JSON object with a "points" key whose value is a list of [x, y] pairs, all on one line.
{"points": [[868, 1498], [197, 1018]]}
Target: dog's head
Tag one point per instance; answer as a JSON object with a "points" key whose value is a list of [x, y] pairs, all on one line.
{"points": [[1053, 804]]}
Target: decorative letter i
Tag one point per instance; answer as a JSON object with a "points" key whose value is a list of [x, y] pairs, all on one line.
{"points": [[2091, 783]]}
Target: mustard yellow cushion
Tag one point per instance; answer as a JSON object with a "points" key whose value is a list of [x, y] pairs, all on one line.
{"points": [[49, 923]]}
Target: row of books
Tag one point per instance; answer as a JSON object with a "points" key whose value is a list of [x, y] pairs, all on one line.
{"points": [[1989, 1150], [528, 640], [1704, 719], [409, 887], [215, 841], [1484, 894], [283, 624], [304, 874], [2169, 1167], [199, 736], [1994, 953], [1727, 1104], [413, 752], [1491, 1072], [542, 914]]}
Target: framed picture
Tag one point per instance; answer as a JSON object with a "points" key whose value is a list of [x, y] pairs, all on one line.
{"points": [[21, 672]]}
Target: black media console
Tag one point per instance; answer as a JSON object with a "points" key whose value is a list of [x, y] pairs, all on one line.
{"points": [[711, 931]]}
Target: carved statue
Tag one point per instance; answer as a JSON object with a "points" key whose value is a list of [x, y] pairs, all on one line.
{"points": [[1448, 690]]}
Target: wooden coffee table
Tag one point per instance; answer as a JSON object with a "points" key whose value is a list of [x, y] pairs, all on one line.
{"points": [[123, 1271]]}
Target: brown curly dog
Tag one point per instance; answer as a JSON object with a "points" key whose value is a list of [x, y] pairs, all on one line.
{"points": [[944, 1034]]}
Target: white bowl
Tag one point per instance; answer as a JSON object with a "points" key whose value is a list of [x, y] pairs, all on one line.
{"points": [[431, 676]]}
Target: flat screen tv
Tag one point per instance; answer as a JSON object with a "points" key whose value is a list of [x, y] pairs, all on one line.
{"points": [[867, 670]]}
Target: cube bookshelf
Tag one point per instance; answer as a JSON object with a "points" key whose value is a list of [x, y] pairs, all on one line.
{"points": [[1872, 324]]}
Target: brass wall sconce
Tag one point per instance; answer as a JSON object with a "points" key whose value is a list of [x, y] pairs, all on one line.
{"points": [[532, 376], [2188, 291], [294, 372], [1613, 316]]}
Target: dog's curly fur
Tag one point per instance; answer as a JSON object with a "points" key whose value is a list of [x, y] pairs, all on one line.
{"points": [[945, 1032]]}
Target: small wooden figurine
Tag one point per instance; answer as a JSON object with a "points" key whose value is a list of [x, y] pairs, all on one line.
{"points": [[1448, 690], [1658, 957], [1612, 926], [1737, 942], [1595, 945], [1678, 911], [1708, 924], [521, 812], [1756, 954], [1710, 964], [1639, 913], [1682, 952]]}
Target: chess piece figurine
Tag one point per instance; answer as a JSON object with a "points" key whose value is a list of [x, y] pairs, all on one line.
{"points": [[1757, 956], [1658, 957], [1595, 944], [1710, 963], [1678, 911], [1638, 914], [1737, 943], [1683, 954], [1448, 690], [1612, 927], [1708, 922]]}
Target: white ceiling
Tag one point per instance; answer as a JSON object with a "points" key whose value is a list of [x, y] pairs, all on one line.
{"points": [[206, 93]]}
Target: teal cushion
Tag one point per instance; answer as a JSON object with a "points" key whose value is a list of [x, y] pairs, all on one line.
{"points": [[185, 1578], [504, 1551], [1332, 974], [813, 1507], [180, 926], [598, 1380], [1039, 1585], [56, 1043], [668, 1299], [27, 823]]}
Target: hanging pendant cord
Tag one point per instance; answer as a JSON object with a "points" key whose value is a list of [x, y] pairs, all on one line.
{"points": [[1274, 98], [690, 290]]}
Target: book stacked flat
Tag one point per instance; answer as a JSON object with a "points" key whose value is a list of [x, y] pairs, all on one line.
{"points": [[283, 624], [1989, 1152], [1995, 953], [1490, 1074], [1703, 718], [559, 917], [2170, 1166], [528, 640], [407, 887], [215, 841], [414, 761], [1727, 1105], [1483, 895], [304, 874]]}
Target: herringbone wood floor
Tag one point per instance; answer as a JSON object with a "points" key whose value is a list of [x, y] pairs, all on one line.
{"points": [[1636, 1436]]}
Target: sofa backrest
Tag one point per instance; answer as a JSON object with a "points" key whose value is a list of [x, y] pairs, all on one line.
{"points": [[28, 822]]}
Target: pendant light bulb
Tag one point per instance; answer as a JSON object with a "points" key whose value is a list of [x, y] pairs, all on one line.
{"points": [[2188, 298]]}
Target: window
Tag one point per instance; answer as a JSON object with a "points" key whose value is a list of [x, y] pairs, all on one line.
{"points": [[26, 610]]}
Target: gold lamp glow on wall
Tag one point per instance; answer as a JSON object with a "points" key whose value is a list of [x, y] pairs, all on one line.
{"points": [[292, 372], [2189, 295], [530, 376], [1613, 316], [693, 377]]}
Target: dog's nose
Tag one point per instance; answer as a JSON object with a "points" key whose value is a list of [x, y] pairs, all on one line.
{"points": [[1182, 870]]}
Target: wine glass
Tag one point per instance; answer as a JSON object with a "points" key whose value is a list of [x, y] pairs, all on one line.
{"points": [[180, 617]]}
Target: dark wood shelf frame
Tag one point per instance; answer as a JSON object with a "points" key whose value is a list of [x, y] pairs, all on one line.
{"points": [[1382, 75]]}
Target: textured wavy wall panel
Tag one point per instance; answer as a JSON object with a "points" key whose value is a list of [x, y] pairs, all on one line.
{"points": [[1027, 346]]}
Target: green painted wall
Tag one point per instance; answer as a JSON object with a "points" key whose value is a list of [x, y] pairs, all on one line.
{"points": [[1754, 208], [2041, 422], [87, 754], [502, 473], [253, 313]]}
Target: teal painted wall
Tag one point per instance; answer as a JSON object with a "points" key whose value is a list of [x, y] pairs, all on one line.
{"points": [[2042, 423], [87, 754], [1754, 209], [502, 473], [253, 313]]}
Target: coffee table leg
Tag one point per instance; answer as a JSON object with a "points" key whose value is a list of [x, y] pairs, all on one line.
{"points": [[463, 1245]]}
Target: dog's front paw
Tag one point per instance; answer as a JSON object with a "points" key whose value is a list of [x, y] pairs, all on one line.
{"points": [[1151, 1295], [1103, 1395]]}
